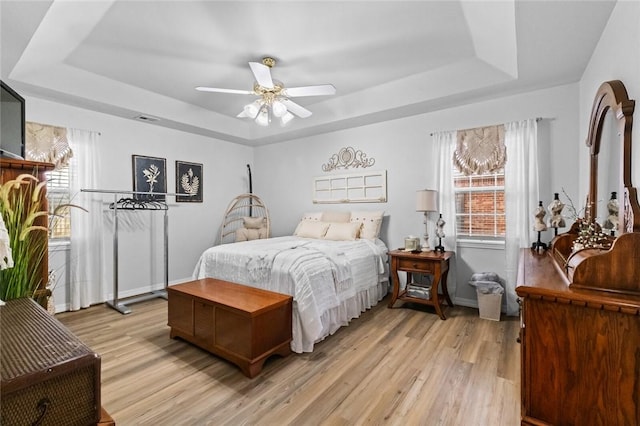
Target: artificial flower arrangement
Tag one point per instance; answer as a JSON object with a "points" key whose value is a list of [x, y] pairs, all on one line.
{"points": [[590, 234], [24, 242]]}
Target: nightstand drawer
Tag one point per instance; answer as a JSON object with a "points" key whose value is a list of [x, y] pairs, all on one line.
{"points": [[415, 265]]}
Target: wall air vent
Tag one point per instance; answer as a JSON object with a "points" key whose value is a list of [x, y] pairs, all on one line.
{"points": [[147, 118]]}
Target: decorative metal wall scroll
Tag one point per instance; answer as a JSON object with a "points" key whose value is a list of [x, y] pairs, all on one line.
{"points": [[348, 157]]}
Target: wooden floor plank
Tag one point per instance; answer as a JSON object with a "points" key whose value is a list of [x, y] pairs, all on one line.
{"points": [[391, 366]]}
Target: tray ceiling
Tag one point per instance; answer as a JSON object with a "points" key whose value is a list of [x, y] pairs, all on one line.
{"points": [[386, 59]]}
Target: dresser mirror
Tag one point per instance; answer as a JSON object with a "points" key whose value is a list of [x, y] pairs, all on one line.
{"points": [[588, 259], [609, 141], [609, 176]]}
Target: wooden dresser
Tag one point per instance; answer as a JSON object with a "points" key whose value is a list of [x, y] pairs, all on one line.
{"points": [[580, 347]]}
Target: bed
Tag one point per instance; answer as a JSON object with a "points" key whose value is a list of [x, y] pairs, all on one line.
{"points": [[335, 268]]}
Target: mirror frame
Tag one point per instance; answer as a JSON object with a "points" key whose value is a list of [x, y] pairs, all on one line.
{"points": [[613, 95]]}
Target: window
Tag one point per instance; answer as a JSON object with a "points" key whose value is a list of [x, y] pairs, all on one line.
{"points": [[58, 194], [480, 205]]}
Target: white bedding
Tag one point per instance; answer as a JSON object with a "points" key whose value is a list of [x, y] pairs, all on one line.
{"points": [[331, 282]]}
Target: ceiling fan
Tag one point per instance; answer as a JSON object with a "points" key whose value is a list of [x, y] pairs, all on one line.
{"points": [[274, 99]]}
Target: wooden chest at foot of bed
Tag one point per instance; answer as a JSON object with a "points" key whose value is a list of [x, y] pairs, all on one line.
{"points": [[48, 376], [244, 325]]}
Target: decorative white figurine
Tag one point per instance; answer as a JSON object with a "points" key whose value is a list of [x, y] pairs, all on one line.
{"points": [[539, 215], [440, 227], [440, 234], [613, 219], [555, 210]]}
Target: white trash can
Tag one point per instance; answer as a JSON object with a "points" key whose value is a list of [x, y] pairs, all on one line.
{"points": [[489, 289], [489, 305]]}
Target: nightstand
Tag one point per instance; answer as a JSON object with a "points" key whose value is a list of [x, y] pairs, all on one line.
{"points": [[427, 262]]}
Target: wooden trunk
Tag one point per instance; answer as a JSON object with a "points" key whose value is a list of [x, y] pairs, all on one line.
{"points": [[241, 324]]}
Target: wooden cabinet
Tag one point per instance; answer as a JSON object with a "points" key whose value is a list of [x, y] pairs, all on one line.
{"points": [[580, 347], [11, 169], [241, 324]]}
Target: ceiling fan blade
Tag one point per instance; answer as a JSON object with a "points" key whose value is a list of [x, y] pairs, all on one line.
{"points": [[262, 74], [319, 90], [296, 109], [233, 91]]}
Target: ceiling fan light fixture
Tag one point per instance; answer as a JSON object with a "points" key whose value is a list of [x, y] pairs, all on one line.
{"points": [[278, 108], [263, 116], [252, 109], [273, 98], [286, 118]]}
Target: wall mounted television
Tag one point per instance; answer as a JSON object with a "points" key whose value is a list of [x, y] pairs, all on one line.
{"points": [[12, 123]]}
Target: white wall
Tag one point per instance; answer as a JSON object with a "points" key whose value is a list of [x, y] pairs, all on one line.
{"points": [[616, 57], [192, 226], [284, 172]]}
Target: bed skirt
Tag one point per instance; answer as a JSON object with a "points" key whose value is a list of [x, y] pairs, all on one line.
{"points": [[339, 316]]}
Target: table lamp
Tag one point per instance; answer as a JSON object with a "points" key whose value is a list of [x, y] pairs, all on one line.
{"points": [[426, 201]]}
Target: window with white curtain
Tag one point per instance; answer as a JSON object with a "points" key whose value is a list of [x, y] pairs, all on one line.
{"points": [[480, 207], [50, 144], [59, 197]]}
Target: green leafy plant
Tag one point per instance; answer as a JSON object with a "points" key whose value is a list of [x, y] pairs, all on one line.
{"points": [[21, 205]]}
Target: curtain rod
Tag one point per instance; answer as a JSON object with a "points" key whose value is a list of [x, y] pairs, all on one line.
{"points": [[431, 134]]}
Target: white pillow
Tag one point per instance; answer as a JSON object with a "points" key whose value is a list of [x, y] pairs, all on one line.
{"points": [[311, 229], [253, 222], [317, 216], [371, 223], [339, 231], [334, 216]]}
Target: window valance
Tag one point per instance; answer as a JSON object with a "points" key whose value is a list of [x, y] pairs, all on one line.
{"points": [[48, 144], [480, 150]]}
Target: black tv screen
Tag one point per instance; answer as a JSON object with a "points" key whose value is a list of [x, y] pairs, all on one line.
{"points": [[12, 123]]}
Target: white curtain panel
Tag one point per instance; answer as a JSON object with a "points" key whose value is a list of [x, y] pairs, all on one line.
{"points": [[521, 198], [442, 150], [86, 269]]}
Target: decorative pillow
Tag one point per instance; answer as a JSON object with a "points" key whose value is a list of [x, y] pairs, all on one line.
{"points": [[317, 216], [371, 223], [253, 222], [311, 229], [334, 216], [339, 231], [244, 234]]}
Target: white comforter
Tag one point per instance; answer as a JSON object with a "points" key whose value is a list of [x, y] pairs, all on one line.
{"points": [[331, 281]]}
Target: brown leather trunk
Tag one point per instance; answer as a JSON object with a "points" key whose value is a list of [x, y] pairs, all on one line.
{"points": [[48, 376]]}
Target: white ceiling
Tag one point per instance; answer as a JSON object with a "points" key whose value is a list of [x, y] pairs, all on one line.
{"points": [[387, 59]]}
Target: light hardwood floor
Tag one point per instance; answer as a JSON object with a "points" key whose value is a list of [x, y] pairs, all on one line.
{"points": [[401, 366]]}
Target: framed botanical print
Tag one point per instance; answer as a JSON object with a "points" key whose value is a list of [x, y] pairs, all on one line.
{"points": [[149, 175], [188, 182]]}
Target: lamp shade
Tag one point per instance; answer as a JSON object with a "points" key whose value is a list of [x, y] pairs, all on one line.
{"points": [[426, 200]]}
